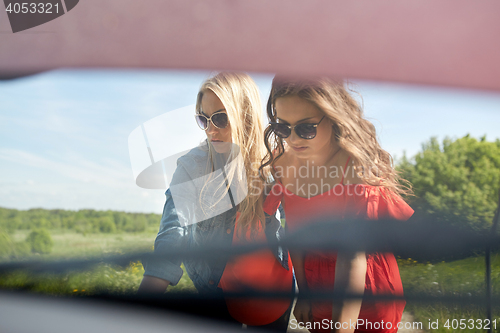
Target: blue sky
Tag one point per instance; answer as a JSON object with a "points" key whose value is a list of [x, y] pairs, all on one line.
{"points": [[64, 134]]}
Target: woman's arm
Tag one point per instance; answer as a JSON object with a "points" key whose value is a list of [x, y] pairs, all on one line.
{"points": [[151, 284], [161, 272], [302, 310], [350, 276]]}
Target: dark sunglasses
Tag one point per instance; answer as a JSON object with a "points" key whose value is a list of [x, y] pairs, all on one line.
{"points": [[304, 131], [219, 119]]}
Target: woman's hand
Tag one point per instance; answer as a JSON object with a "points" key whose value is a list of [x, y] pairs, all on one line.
{"points": [[302, 311]]}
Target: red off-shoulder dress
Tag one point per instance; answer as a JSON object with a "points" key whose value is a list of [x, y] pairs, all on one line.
{"points": [[382, 274]]}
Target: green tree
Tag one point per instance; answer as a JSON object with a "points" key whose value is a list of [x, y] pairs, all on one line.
{"points": [[5, 244], [107, 224], [83, 221], [135, 223], [40, 241], [456, 182]]}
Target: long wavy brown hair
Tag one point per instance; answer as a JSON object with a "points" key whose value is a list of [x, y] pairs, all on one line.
{"points": [[353, 133]]}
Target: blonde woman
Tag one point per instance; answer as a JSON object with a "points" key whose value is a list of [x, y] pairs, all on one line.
{"points": [[318, 128], [216, 199]]}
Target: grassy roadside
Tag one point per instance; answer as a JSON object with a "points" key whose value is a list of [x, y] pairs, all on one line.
{"points": [[102, 278], [464, 277], [461, 277], [70, 244]]}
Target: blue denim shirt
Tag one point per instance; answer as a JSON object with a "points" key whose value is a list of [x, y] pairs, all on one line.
{"points": [[176, 233]]}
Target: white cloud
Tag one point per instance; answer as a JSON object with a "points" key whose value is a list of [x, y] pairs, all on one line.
{"points": [[76, 168], [79, 184], [77, 196]]}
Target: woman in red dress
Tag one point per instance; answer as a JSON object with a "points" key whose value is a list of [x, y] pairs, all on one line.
{"points": [[328, 163]]}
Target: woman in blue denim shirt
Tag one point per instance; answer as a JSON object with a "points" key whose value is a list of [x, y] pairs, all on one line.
{"points": [[214, 182]]}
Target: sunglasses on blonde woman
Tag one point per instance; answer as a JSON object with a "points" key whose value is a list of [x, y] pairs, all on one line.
{"points": [[305, 131], [219, 119]]}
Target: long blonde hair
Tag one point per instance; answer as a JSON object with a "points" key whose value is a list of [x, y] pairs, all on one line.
{"points": [[353, 133], [240, 96]]}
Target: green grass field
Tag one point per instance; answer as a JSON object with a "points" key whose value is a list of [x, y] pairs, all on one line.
{"points": [[103, 278], [462, 277], [69, 244]]}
